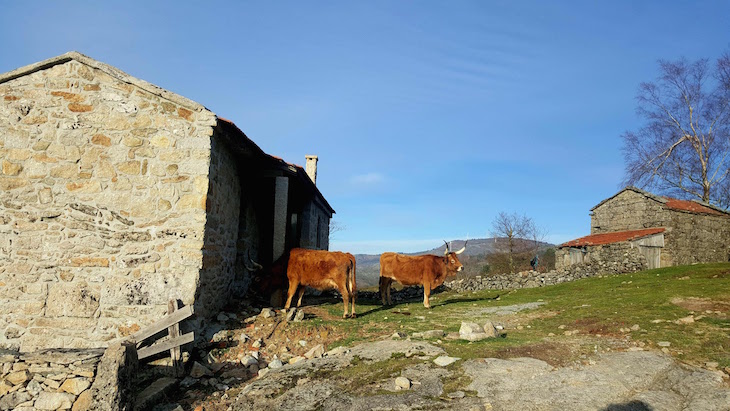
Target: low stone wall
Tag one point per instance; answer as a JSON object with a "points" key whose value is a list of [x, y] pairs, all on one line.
{"points": [[67, 379], [627, 263]]}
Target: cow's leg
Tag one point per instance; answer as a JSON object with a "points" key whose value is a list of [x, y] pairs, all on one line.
{"points": [[426, 294], [352, 289], [388, 285], [345, 300], [293, 285], [383, 281], [301, 294], [352, 299]]}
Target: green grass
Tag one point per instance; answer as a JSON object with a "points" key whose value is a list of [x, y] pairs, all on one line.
{"points": [[598, 308]]}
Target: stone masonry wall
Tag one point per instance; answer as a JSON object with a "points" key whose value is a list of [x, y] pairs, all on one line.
{"points": [[606, 260], [315, 227], [629, 210], [609, 258], [79, 380], [696, 238], [102, 206], [221, 232]]}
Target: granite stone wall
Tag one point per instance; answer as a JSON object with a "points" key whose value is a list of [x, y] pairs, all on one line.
{"points": [[696, 238], [613, 259], [68, 379], [221, 232], [103, 196], [628, 210]]}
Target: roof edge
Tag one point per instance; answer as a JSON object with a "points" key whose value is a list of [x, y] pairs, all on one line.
{"points": [[110, 70], [624, 236]]}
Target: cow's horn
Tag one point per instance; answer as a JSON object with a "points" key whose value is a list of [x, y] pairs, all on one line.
{"points": [[447, 248], [462, 248], [256, 266]]}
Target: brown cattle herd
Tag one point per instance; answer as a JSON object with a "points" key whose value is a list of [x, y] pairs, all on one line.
{"points": [[323, 270]]}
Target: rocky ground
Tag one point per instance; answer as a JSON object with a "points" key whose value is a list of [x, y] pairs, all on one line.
{"points": [[256, 361]]}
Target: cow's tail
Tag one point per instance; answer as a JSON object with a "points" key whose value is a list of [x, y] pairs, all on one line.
{"points": [[352, 283]]}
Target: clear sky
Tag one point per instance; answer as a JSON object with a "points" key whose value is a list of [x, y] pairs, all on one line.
{"points": [[429, 118]]}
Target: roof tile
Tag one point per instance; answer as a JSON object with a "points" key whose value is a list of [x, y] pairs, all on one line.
{"points": [[611, 238]]}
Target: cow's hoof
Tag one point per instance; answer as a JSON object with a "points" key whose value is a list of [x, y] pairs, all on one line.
{"points": [[353, 315]]}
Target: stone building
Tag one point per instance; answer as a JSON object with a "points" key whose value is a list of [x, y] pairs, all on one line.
{"points": [[637, 230], [117, 196]]}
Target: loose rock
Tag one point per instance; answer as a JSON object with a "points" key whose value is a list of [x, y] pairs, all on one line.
{"points": [[316, 352], [199, 370], [402, 383], [445, 360]]}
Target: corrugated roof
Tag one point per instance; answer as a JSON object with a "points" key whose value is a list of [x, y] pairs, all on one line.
{"points": [[611, 238]]}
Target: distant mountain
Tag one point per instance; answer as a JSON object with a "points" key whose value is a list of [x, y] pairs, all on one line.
{"points": [[368, 265]]}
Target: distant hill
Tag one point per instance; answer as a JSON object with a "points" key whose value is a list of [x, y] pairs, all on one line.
{"points": [[368, 265]]}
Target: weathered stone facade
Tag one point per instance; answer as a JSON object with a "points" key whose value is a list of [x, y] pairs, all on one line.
{"points": [[117, 196], [692, 232]]}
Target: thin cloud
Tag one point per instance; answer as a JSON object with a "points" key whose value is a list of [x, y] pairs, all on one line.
{"points": [[368, 179]]}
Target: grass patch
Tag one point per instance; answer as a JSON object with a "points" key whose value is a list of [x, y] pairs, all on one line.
{"points": [[578, 318]]}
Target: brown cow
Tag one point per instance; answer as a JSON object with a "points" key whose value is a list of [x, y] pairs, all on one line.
{"points": [[427, 270], [322, 270]]}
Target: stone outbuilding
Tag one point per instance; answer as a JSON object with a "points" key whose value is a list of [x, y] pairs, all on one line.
{"points": [[635, 229], [117, 196]]}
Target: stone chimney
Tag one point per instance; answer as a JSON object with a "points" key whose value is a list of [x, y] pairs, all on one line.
{"points": [[311, 167]]}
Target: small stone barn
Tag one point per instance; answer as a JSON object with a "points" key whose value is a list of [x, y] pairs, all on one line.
{"points": [[117, 196], [635, 230]]}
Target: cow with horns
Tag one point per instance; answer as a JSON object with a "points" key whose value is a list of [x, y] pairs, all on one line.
{"points": [[427, 270]]}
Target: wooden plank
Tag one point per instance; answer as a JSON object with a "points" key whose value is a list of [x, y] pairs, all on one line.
{"points": [[162, 323], [174, 331], [163, 346]]}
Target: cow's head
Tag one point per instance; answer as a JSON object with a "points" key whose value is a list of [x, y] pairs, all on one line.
{"points": [[451, 258], [269, 279]]}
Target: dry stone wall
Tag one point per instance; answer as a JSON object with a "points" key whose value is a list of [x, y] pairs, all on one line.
{"points": [[103, 196], [611, 259], [70, 379]]}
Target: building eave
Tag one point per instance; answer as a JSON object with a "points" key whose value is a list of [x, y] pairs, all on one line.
{"points": [[612, 237]]}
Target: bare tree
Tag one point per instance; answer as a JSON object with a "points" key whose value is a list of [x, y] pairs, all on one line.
{"points": [[336, 227], [683, 148], [512, 227]]}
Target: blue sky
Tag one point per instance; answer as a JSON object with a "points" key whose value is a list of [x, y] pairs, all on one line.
{"points": [[429, 118]]}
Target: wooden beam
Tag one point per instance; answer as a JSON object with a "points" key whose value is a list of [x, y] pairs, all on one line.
{"points": [[174, 331], [166, 345], [162, 323]]}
